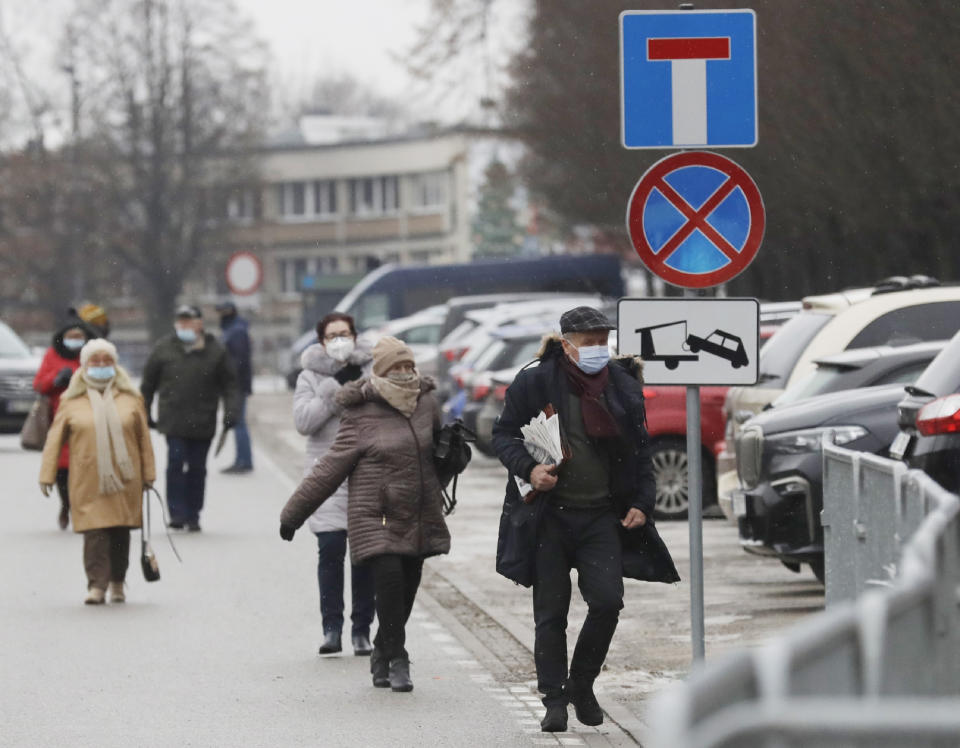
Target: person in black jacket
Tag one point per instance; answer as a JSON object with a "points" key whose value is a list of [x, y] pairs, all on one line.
{"points": [[190, 372], [236, 339], [593, 512]]}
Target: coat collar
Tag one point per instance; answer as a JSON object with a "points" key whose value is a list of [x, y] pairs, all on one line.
{"points": [[315, 358]]}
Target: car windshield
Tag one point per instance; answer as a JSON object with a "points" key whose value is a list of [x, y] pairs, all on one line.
{"points": [[942, 376], [821, 380], [10, 344], [780, 354]]}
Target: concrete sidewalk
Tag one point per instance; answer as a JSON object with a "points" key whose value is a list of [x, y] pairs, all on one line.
{"points": [[222, 650]]}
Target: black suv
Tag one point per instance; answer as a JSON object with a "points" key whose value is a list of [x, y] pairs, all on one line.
{"points": [[929, 420], [780, 465]]}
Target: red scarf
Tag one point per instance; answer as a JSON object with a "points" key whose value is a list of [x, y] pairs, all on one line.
{"points": [[597, 420]]}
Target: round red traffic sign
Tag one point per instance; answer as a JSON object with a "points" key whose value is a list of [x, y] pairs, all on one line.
{"points": [[244, 273], [696, 219]]}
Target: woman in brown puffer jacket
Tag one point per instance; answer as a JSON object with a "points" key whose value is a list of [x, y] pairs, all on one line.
{"points": [[394, 508]]}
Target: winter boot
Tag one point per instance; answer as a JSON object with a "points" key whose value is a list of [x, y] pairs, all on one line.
{"points": [[585, 704], [116, 593], [95, 596], [380, 670], [361, 645], [555, 720], [400, 675], [331, 643]]}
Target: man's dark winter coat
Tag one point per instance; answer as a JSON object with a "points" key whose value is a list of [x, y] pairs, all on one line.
{"points": [[236, 338], [632, 481], [189, 384]]}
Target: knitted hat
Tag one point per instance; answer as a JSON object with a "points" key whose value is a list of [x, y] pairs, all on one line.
{"points": [[389, 351], [93, 313], [97, 345]]}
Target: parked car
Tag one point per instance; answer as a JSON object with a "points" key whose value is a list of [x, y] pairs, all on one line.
{"points": [[18, 366], [780, 466], [895, 311], [860, 367], [928, 419]]}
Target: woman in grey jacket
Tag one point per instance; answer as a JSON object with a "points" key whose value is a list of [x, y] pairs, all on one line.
{"points": [[337, 359]]}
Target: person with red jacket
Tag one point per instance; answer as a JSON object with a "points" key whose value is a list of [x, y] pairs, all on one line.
{"points": [[59, 363]]}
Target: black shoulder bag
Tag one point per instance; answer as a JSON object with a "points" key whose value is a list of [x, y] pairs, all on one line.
{"points": [[451, 455]]}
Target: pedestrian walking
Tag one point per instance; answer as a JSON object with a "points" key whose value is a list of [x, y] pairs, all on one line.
{"points": [[59, 362], [103, 420], [384, 447], [236, 339], [338, 359], [191, 373], [594, 512]]}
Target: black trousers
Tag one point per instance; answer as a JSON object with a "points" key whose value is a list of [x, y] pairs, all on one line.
{"points": [[587, 540], [395, 580]]}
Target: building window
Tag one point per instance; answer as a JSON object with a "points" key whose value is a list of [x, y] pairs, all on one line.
{"points": [[242, 205], [324, 197], [371, 196], [429, 190]]}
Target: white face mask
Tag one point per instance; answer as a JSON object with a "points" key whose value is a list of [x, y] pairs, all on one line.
{"points": [[339, 349]]}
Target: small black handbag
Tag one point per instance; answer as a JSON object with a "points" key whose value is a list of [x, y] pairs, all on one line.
{"points": [[148, 559], [451, 455]]}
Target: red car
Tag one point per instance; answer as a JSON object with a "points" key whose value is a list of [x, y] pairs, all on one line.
{"points": [[667, 424]]}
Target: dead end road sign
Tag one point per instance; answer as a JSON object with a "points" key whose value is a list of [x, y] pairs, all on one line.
{"points": [[696, 219], [689, 341]]}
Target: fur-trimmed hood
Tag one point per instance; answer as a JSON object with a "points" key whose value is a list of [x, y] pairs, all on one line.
{"points": [[551, 347], [78, 385], [362, 391], [315, 358]]}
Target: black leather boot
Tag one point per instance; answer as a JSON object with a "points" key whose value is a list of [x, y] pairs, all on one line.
{"points": [[555, 720], [380, 670], [361, 645], [331, 643], [585, 704], [400, 674]]}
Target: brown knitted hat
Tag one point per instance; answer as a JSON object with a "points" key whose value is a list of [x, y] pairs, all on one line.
{"points": [[389, 351]]}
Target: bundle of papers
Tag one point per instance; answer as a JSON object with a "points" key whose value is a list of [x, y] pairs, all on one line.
{"points": [[541, 437]]}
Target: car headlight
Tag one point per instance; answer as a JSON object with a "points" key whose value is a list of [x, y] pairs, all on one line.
{"points": [[809, 440]]}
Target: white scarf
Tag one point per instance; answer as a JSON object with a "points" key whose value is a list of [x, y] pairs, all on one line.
{"points": [[109, 431], [401, 395]]}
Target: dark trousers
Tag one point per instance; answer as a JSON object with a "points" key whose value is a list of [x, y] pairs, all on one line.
{"points": [[106, 555], [331, 549], [587, 540], [63, 483], [242, 434], [396, 579], [186, 477]]}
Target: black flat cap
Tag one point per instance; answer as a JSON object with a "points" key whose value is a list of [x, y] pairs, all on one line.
{"points": [[188, 311], [584, 319], [226, 306]]}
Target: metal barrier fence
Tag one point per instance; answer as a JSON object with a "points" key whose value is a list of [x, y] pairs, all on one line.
{"points": [[879, 667]]}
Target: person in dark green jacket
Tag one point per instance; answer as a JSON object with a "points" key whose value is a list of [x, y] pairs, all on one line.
{"points": [[190, 372]]}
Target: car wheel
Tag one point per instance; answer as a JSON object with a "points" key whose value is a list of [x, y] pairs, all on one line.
{"points": [[818, 571], [669, 459]]}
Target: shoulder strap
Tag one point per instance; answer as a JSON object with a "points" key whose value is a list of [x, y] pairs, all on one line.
{"points": [[145, 525]]}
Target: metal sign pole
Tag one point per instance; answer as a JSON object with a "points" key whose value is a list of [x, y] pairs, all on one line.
{"points": [[695, 519]]}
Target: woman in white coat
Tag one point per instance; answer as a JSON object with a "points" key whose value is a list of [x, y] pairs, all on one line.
{"points": [[337, 359]]}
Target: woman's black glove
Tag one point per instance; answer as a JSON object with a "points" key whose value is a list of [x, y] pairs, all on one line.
{"points": [[286, 532], [63, 378], [348, 373]]}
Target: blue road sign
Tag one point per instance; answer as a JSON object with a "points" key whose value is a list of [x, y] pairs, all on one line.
{"points": [[688, 79]]}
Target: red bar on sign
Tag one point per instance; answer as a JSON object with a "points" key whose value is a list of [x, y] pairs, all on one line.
{"points": [[696, 48]]}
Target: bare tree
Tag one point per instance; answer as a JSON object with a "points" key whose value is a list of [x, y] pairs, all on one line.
{"points": [[176, 100]]}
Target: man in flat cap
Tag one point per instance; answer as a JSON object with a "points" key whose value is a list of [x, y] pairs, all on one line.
{"points": [[191, 372], [593, 512]]}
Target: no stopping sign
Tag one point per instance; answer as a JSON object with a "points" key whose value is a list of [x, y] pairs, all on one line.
{"points": [[696, 219], [244, 273]]}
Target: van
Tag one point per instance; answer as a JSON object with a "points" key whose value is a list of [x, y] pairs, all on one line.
{"points": [[391, 291]]}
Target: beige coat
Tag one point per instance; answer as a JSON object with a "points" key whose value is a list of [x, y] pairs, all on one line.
{"points": [[394, 502], [73, 425]]}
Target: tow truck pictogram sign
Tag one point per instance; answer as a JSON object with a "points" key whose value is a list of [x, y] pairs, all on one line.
{"points": [[692, 341]]}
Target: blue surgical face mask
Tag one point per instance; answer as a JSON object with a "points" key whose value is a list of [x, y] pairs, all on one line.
{"points": [[73, 344], [102, 373], [187, 335], [593, 358]]}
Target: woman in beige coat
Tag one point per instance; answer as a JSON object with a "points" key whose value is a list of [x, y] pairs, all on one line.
{"points": [[394, 504], [103, 420]]}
